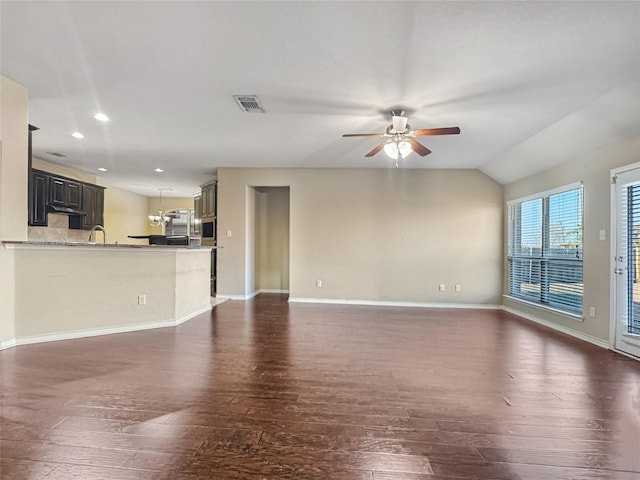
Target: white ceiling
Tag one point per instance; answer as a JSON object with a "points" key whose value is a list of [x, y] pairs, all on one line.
{"points": [[530, 84]]}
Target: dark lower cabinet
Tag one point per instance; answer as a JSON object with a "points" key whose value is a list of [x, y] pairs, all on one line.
{"points": [[38, 199]]}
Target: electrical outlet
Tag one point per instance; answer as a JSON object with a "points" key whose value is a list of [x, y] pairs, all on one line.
{"points": [[458, 287], [229, 233], [142, 299], [592, 312], [441, 287], [318, 283]]}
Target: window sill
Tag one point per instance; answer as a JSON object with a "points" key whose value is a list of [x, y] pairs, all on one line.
{"points": [[555, 311]]}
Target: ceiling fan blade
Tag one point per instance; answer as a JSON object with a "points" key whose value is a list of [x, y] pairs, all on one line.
{"points": [[436, 131], [418, 147], [363, 134], [375, 150]]}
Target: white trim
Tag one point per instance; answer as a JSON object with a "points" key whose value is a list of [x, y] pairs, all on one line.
{"points": [[191, 315], [613, 241], [560, 328], [378, 303], [546, 193], [75, 334], [556, 311], [235, 297], [8, 344], [625, 168], [272, 290]]}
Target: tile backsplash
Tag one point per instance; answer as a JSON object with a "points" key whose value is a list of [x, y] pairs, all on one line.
{"points": [[57, 231]]}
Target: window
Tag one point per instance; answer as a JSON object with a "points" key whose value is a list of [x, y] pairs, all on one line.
{"points": [[545, 249]]}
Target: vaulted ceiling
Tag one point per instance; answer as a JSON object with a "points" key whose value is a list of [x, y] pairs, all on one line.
{"points": [[530, 84]]}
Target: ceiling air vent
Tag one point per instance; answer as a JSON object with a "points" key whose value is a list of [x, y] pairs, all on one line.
{"points": [[249, 103], [58, 154]]}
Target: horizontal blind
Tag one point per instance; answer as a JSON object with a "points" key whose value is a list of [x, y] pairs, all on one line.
{"points": [[545, 250], [632, 224]]}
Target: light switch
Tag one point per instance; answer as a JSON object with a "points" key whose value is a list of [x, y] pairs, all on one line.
{"points": [[229, 233], [603, 234]]}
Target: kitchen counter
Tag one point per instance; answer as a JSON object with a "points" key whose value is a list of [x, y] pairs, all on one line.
{"points": [[100, 245], [74, 289]]}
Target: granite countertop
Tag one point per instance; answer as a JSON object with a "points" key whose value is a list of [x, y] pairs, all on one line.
{"points": [[40, 243]]}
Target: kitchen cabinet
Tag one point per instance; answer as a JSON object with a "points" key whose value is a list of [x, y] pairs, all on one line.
{"points": [[48, 190], [65, 192], [209, 200], [93, 207], [208, 203], [38, 196], [197, 212]]}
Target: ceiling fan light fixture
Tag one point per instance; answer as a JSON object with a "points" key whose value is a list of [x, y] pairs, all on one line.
{"points": [[391, 149], [404, 148], [399, 124]]}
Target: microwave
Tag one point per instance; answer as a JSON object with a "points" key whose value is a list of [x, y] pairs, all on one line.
{"points": [[208, 229]]}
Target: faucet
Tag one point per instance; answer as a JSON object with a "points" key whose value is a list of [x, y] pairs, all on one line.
{"points": [[101, 228]]}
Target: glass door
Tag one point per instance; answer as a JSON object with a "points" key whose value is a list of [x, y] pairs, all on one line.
{"points": [[626, 274]]}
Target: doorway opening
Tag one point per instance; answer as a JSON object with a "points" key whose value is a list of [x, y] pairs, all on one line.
{"points": [[268, 239]]}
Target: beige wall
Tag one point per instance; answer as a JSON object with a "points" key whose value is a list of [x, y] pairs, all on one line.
{"points": [[272, 239], [594, 171], [14, 138], [125, 214], [14, 148], [45, 166], [374, 234], [7, 298]]}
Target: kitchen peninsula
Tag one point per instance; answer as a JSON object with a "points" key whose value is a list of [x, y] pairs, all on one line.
{"points": [[74, 289]]}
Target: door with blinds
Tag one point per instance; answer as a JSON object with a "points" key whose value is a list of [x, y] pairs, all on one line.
{"points": [[626, 272]]}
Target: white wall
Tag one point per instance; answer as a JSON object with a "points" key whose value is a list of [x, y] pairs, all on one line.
{"points": [[594, 171], [374, 234]]}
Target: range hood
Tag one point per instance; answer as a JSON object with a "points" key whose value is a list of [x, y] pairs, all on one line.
{"points": [[65, 210]]}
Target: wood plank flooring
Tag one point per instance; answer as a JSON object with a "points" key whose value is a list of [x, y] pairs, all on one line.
{"points": [[270, 390]]}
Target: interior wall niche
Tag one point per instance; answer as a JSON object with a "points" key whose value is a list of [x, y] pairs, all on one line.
{"points": [[271, 246]]}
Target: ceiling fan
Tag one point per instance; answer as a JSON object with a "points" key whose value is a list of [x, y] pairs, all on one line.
{"points": [[400, 139]]}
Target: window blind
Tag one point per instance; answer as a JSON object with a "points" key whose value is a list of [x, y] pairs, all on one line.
{"points": [[631, 224], [545, 250]]}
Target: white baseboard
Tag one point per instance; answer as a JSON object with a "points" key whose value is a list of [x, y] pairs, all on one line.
{"points": [[189, 316], [55, 337], [251, 295], [560, 328], [224, 296], [272, 290], [8, 344], [380, 303]]}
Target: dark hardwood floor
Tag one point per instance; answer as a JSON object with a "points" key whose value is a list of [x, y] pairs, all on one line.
{"points": [[267, 390]]}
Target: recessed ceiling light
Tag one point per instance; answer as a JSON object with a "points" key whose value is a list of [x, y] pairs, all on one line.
{"points": [[77, 135], [159, 170], [102, 169], [101, 117]]}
